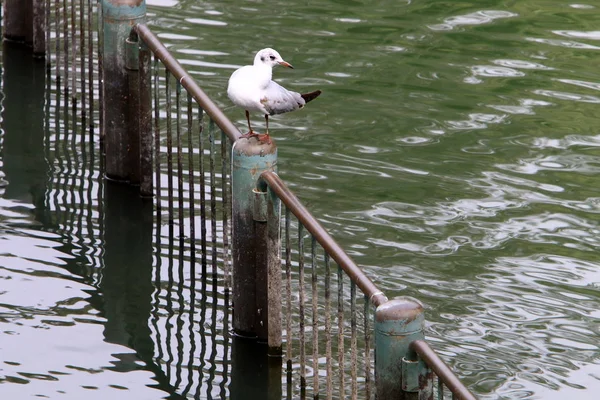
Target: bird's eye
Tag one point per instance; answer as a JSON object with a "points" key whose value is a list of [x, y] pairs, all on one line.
{"points": [[272, 58]]}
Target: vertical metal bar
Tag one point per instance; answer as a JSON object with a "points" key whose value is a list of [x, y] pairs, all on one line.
{"points": [[202, 188], [353, 347], [47, 29], [90, 17], [39, 28], [213, 199], [157, 171], [315, 315], [82, 58], [192, 189], [179, 161], [132, 66], [57, 31], [169, 148], [145, 121], [66, 45], [73, 55], [440, 387], [367, 360], [328, 365], [100, 49], [301, 308], [341, 362], [224, 193], [288, 291], [274, 277]]}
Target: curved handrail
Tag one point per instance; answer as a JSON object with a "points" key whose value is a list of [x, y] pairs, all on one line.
{"points": [[213, 111], [365, 284], [443, 372]]}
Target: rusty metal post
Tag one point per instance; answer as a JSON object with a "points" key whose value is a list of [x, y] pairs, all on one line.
{"points": [[250, 158], [267, 224], [18, 20], [39, 28], [118, 17], [398, 372]]}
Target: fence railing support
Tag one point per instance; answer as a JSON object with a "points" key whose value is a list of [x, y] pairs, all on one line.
{"points": [[250, 245], [399, 374], [118, 17]]}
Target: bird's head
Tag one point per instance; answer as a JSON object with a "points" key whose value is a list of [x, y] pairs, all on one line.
{"points": [[271, 58]]}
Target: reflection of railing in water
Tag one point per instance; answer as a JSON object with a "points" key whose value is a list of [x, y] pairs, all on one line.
{"points": [[186, 165]]}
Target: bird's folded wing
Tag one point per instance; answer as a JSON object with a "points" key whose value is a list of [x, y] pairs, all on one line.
{"points": [[279, 100]]}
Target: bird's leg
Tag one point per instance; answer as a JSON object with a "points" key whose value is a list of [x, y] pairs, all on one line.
{"points": [[267, 121], [250, 132], [265, 138]]}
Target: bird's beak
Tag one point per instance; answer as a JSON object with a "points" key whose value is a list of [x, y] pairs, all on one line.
{"points": [[286, 64]]}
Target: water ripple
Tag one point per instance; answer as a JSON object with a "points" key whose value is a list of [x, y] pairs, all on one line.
{"points": [[475, 18]]}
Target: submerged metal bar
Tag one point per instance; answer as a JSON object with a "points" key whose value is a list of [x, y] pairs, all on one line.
{"points": [[145, 122], [340, 333], [440, 368], [325, 240], [202, 189], [169, 148], [367, 332], [328, 366], [192, 189], [157, 135], [301, 310], [353, 334], [288, 291], [179, 161], [213, 199], [315, 315], [188, 83]]}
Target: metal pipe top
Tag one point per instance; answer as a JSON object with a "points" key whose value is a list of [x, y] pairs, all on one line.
{"points": [[365, 284]]}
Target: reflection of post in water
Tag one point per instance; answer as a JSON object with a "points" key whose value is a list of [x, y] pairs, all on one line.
{"points": [[254, 375], [127, 275], [23, 157]]}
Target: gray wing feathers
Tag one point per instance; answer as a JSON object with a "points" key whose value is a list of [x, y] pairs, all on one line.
{"points": [[279, 100]]}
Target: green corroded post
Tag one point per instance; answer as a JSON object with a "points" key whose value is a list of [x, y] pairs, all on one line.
{"points": [[250, 158], [398, 372], [118, 17]]}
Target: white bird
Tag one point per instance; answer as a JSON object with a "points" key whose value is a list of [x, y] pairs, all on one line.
{"points": [[252, 88]]}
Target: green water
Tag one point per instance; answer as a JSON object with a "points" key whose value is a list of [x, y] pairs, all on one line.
{"points": [[454, 153]]}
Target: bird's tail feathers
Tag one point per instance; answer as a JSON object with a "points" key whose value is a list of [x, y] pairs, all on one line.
{"points": [[310, 96]]}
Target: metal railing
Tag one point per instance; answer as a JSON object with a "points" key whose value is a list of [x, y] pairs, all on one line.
{"points": [[182, 149]]}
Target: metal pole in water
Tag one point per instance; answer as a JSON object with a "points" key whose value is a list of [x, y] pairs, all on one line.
{"points": [[398, 372], [18, 20], [250, 158], [118, 17]]}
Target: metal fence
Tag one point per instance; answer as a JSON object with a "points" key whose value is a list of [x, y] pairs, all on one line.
{"points": [[313, 304]]}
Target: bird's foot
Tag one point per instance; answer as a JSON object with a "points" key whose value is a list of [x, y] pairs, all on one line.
{"points": [[264, 138], [249, 135]]}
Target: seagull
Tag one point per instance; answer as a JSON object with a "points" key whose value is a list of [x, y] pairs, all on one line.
{"points": [[252, 88]]}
